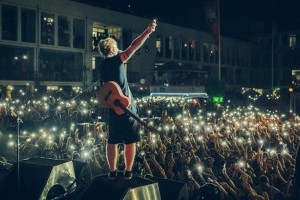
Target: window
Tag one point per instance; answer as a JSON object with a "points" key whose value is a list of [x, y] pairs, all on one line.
{"points": [[98, 34], [224, 74], [79, 33], [184, 50], [16, 63], [295, 76], [255, 59], [267, 78], [60, 66], [115, 33], [47, 28], [126, 38], [169, 44], [63, 31], [191, 50], [9, 22], [222, 56], [216, 55], [198, 51], [228, 56], [292, 41], [158, 46], [238, 76], [208, 69], [255, 78], [286, 78], [176, 49], [233, 56], [213, 54], [238, 61], [28, 25], [205, 52], [122, 36]]}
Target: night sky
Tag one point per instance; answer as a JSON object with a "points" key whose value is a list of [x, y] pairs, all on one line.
{"points": [[235, 14]]}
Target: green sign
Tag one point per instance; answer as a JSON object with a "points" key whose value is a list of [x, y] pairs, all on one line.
{"points": [[218, 99]]}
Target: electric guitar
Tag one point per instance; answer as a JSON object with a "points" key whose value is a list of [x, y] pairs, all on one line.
{"points": [[111, 96]]}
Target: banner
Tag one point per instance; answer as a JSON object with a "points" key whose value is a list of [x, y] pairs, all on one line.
{"points": [[211, 12]]}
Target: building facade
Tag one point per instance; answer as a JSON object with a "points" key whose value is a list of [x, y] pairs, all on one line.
{"points": [[53, 43]]}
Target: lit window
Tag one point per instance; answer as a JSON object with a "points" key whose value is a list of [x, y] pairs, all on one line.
{"points": [[47, 28], [292, 41], [158, 46], [94, 63], [98, 34]]}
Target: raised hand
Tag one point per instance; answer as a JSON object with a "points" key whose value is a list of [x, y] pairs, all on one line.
{"points": [[151, 27]]}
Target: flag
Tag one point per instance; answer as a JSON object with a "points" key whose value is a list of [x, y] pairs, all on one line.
{"points": [[211, 12]]}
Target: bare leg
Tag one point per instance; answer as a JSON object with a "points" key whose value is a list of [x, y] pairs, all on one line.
{"points": [[129, 156], [112, 156]]}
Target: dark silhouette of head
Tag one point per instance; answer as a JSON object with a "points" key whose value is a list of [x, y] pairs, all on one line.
{"points": [[209, 191]]}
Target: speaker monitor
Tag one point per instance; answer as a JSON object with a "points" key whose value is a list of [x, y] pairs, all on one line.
{"points": [[101, 188], [39, 178], [297, 168], [171, 189], [83, 173]]}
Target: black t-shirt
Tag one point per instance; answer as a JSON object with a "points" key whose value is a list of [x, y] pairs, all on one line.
{"points": [[113, 69]]}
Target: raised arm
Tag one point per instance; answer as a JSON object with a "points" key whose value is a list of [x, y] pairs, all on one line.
{"points": [[138, 42]]}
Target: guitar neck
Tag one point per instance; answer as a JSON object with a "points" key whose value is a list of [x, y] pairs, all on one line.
{"points": [[126, 110]]}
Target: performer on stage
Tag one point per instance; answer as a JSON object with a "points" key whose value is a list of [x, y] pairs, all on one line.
{"points": [[123, 129]]}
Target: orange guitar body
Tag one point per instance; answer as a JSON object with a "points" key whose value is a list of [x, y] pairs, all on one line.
{"points": [[109, 94]]}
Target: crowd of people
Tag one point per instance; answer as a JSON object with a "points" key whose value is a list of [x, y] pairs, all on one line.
{"points": [[228, 151]]}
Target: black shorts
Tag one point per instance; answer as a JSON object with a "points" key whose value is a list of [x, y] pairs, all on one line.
{"points": [[122, 129]]}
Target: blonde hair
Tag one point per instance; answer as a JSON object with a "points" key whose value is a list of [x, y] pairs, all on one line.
{"points": [[107, 46]]}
